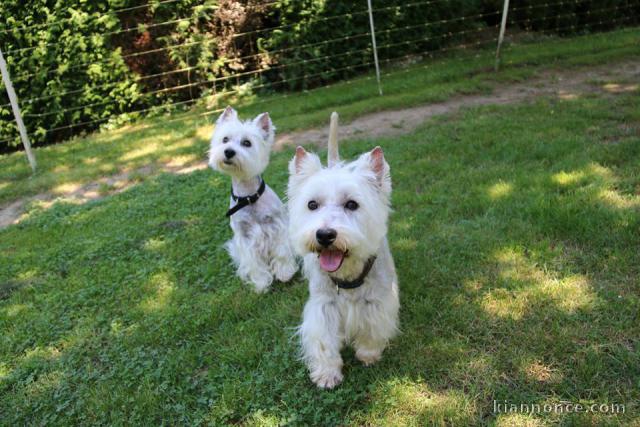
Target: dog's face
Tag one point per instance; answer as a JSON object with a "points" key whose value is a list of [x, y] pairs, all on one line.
{"points": [[241, 149], [339, 213]]}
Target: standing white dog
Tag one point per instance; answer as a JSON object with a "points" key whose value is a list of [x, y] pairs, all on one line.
{"points": [[338, 223], [260, 246]]}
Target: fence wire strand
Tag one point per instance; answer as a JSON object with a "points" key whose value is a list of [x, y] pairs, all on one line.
{"points": [[58, 22], [267, 53], [283, 66], [253, 79], [197, 43]]}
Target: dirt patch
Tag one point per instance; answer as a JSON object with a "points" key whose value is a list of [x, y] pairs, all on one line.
{"points": [[566, 84], [15, 211], [563, 84]]}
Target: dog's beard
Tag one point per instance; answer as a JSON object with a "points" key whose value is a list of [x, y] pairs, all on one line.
{"points": [[232, 167], [226, 166]]}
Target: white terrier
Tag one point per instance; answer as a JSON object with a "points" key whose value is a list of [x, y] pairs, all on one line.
{"points": [[260, 246], [338, 223]]}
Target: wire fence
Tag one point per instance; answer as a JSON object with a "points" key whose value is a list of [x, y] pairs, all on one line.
{"points": [[206, 80]]}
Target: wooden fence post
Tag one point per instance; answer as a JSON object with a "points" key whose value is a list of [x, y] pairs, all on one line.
{"points": [[13, 99]]}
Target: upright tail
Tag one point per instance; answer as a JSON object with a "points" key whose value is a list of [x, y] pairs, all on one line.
{"points": [[332, 156]]}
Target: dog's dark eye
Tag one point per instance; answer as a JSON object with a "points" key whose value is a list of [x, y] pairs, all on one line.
{"points": [[246, 143], [351, 205], [312, 205], [225, 139]]}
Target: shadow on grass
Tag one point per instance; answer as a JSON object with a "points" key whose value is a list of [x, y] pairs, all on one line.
{"points": [[517, 254]]}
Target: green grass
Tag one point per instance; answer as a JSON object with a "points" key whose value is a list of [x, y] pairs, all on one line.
{"points": [[515, 235], [155, 142]]}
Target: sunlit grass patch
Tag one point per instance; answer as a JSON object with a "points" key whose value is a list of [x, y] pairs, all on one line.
{"points": [[524, 287], [410, 403], [500, 189], [518, 420], [162, 289], [536, 371], [564, 178]]}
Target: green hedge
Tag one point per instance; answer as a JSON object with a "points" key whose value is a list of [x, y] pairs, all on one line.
{"points": [[339, 48], [570, 16], [83, 64], [44, 71]]}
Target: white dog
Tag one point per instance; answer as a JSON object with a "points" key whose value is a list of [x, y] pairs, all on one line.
{"points": [[338, 223], [260, 246]]}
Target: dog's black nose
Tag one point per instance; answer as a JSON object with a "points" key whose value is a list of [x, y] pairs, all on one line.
{"points": [[326, 236], [229, 153]]}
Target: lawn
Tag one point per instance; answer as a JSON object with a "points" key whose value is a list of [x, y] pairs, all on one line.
{"points": [[515, 233]]}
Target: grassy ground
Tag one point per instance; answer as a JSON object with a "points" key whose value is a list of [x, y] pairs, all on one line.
{"points": [[515, 235], [183, 141]]}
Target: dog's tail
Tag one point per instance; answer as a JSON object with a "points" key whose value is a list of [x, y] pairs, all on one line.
{"points": [[332, 156]]}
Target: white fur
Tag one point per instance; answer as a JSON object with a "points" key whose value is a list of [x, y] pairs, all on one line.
{"points": [[365, 317], [260, 247]]}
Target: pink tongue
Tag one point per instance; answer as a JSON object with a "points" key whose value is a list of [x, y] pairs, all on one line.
{"points": [[331, 260]]}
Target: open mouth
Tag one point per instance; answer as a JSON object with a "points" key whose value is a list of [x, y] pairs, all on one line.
{"points": [[227, 162], [331, 259]]}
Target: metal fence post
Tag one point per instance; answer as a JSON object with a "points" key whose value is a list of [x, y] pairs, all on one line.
{"points": [[375, 48], [16, 112], [503, 25]]}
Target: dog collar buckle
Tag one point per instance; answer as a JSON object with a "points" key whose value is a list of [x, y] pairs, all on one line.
{"points": [[253, 198]]}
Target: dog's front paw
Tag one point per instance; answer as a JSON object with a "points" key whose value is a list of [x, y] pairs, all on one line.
{"points": [[368, 357], [285, 271], [326, 378], [261, 282]]}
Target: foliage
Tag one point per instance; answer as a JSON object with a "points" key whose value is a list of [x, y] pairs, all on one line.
{"points": [[573, 17], [335, 37], [48, 49], [77, 65], [86, 64]]}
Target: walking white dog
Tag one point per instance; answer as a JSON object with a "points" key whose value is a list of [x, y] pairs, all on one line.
{"points": [[338, 223], [260, 246]]}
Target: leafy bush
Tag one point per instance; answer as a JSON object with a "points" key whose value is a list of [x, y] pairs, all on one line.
{"points": [[335, 40], [566, 18], [53, 49], [82, 63], [78, 64]]}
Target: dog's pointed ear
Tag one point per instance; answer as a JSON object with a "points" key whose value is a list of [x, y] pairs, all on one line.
{"points": [[303, 163], [263, 122], [301, 167], [298, 159], [375, 162], [228, 114]]}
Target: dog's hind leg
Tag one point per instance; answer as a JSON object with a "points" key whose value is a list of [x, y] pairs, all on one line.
{"points": [[321, 341], [251, 266]]}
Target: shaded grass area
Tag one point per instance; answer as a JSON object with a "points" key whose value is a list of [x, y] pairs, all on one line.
{"points": [[515, 235], [180, 140]]}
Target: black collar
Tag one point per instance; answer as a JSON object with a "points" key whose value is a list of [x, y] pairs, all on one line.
{"points": [[246, 200], [345, 284]]}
